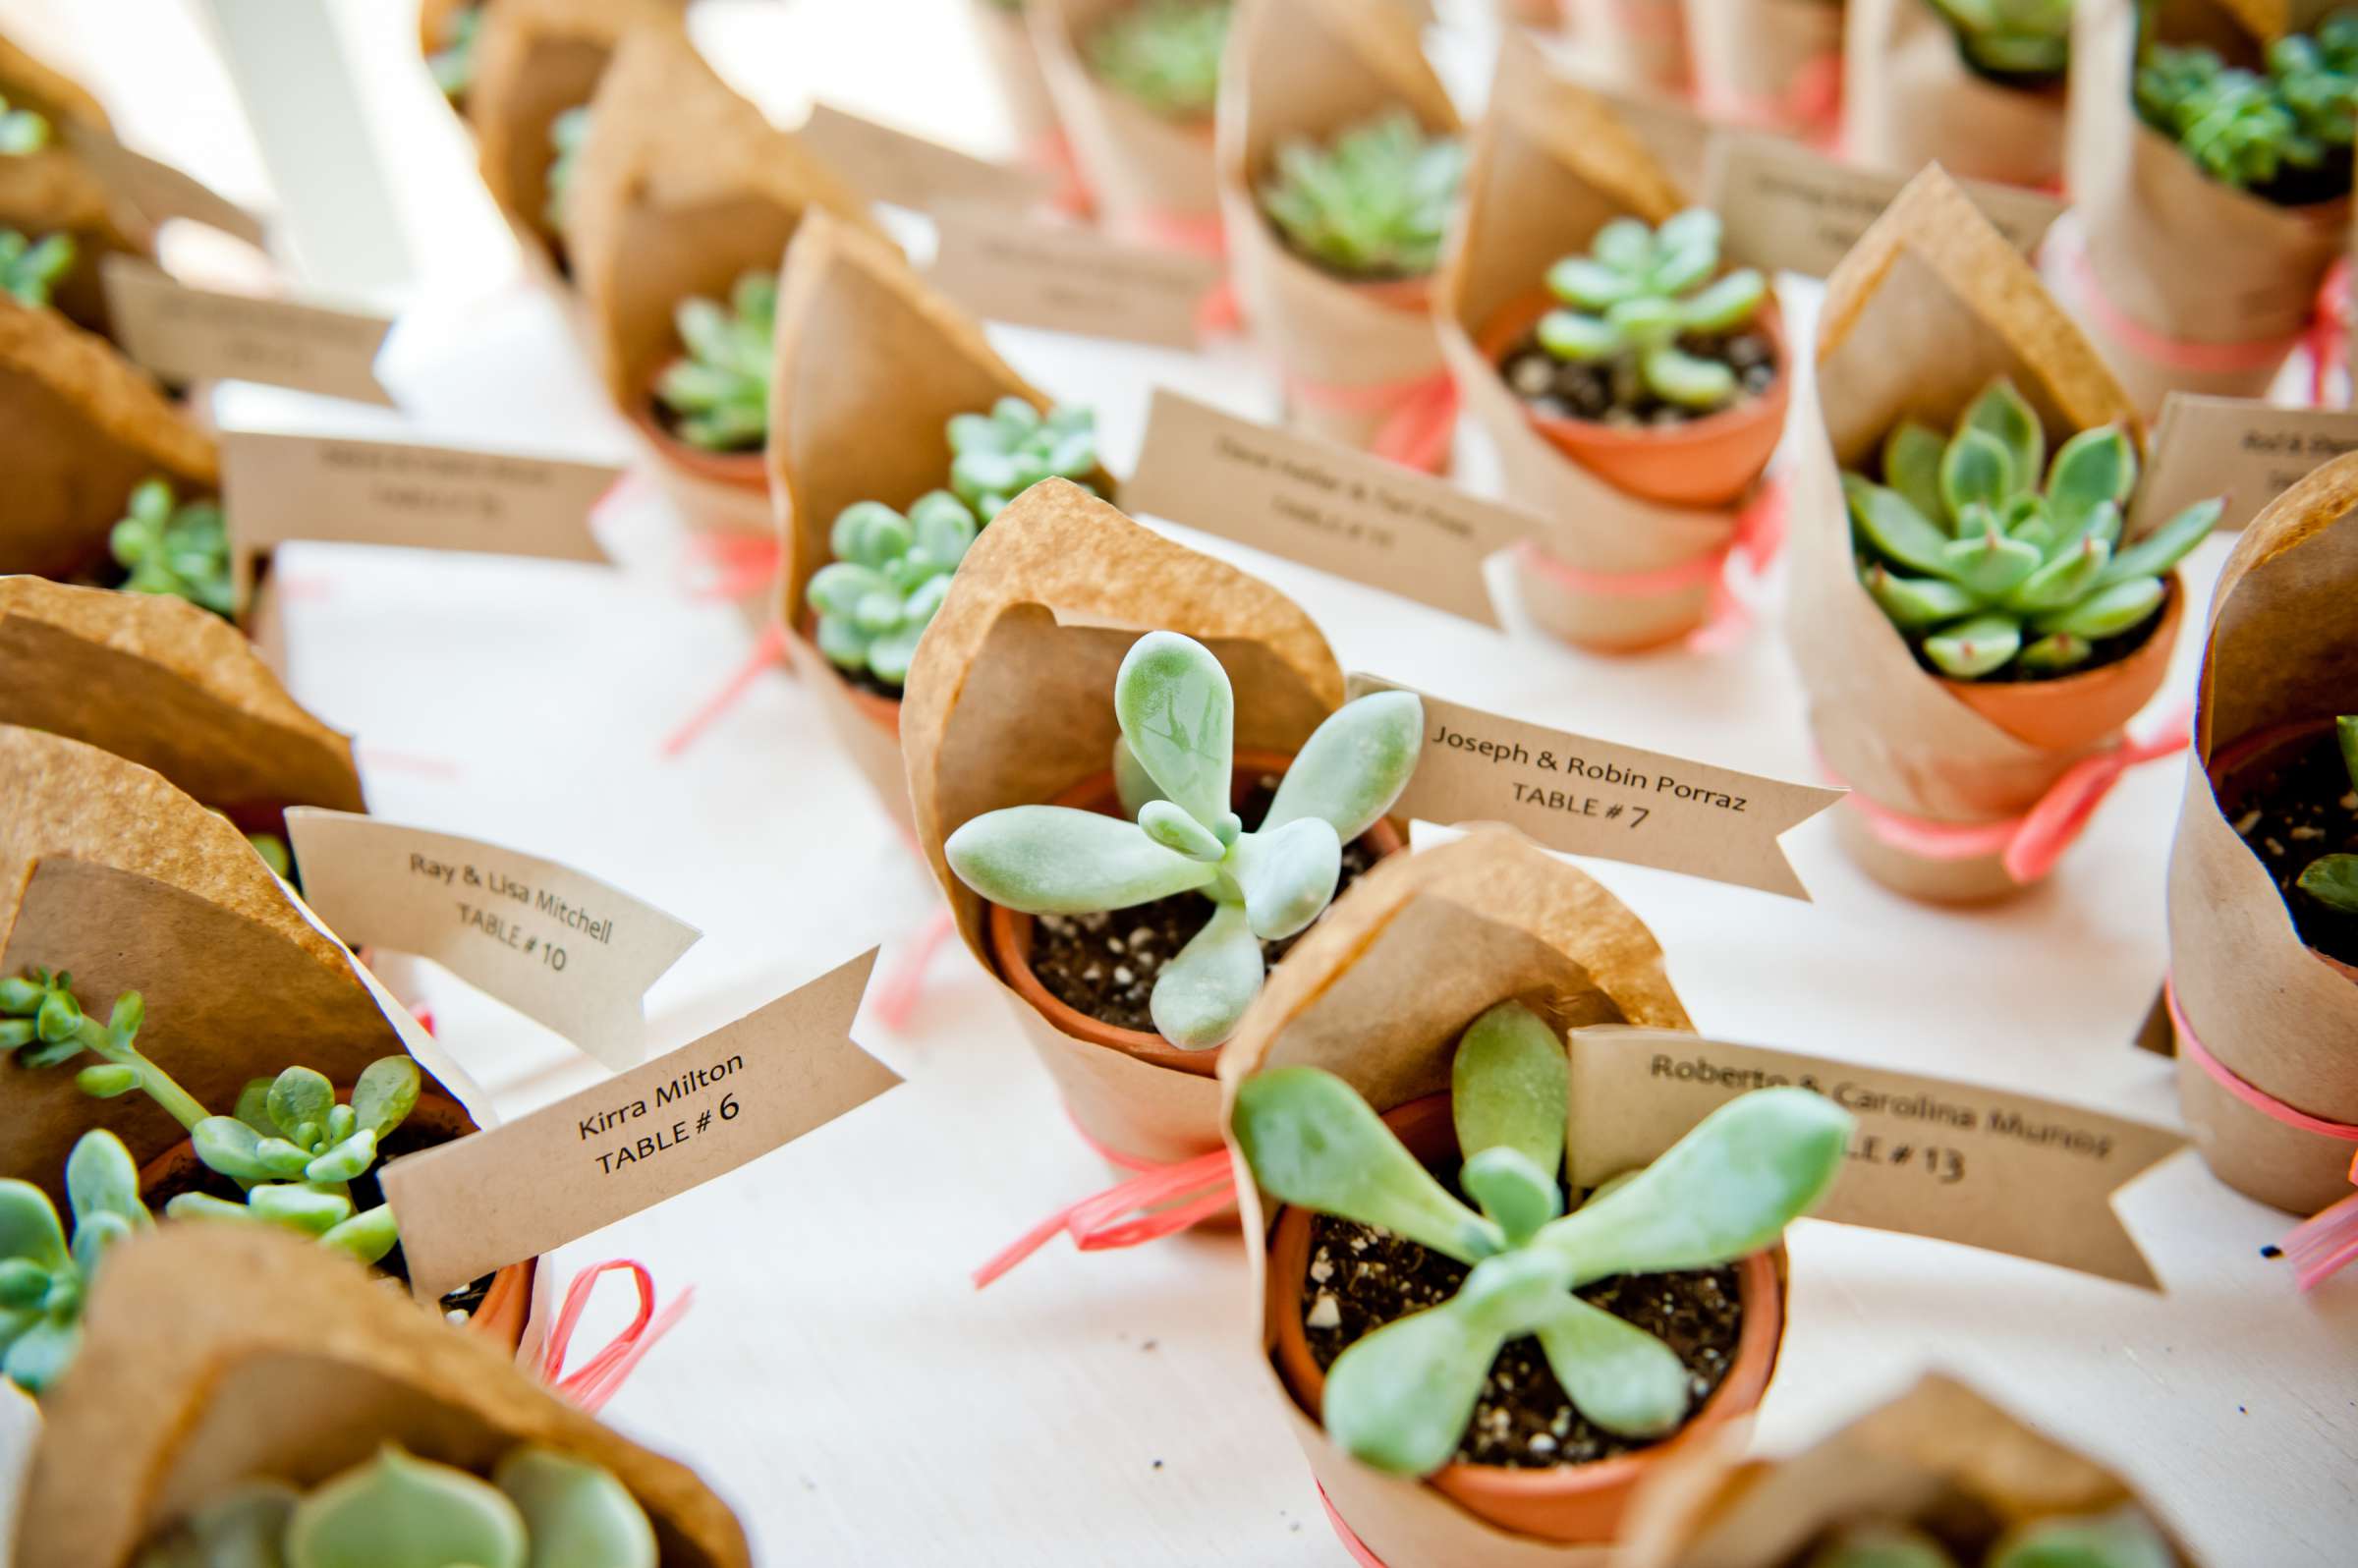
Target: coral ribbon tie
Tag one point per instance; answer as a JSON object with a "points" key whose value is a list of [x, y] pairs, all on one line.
{"points": [[1760, 538], [2029, 845], [2326, 1241], [1221, 312], [1052, 150], [768, 648], [1420, 415], [735, 566], [602, 1377], [1810, 107], [1343, 1532], [2329, 330], [2171, 354], [896, 996], [1194, 1190]]}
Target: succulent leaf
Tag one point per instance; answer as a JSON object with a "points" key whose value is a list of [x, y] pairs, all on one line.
{"points": [[1517, 1195], [367, 1235], [1166, 824], [2123, 1538], [1178, 712], [1135, 786], [399, 1511], [1976, 647], [1509, 1084], [1898, 531], [384, 1096], [1985, 563], [2112, 609], [1205, 987], [2001, 413], [1916, 602], [1053, 860], [575, 1512], [1880, 1546], [1687, 380], [1287, 875], [1615, 1373], [301, 1096], [1398, 1399], [719, 395], [1354, 765], [2165, 546], [2332, 880], [1912, 466], [1975, 470], [1582, 339]]}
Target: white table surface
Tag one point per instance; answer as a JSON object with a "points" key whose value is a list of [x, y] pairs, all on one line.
{"points": [[839, 1380]]}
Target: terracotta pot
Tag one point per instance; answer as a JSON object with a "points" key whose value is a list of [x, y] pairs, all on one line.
{"points": [[501, 1315], [1011, 931], [2238, 768], [1710, 462], [885, 712], [739, 470], [2062, 715], [1572, 1503]]}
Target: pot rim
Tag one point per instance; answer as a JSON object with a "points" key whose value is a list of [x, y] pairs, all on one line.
{"points": [[2161, 639], [744, 470], [1011, 931], [1759, 1339], [885, 712]]}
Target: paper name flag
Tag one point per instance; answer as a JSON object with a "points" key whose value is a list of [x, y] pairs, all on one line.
{"points": [[556, 944], [2242, 448], [158, 190], [1590, 797], [1323, 505], [1064, 277], [1932, 1156], [532, 1185], [185, 334]]}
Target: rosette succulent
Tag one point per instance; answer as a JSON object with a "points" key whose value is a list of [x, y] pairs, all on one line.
{"points": [[2258, 131], [718, 393], [1638, 292], [2123, 1538], [1173, 764], [996, 457], [29, 271], [22, 131], [44, 1278], [2012, 38], [541, 1508], [1988, 574], [1372, 204], [167, 545], [1399, 1398], [890, 572], [1164, 54]]}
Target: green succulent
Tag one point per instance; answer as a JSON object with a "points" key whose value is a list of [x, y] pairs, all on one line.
{"points": [[718, 393], [1983, 570], [2247, 129], [2332, 879], [453, 65], [1399, 1398], [1164, 54], [541, 1508], [170, 546], [1372, 204], [2123, 1538], [1638, 292], [30, 271], [289, 1147], [996, 457], [2012, 38], [1172, 764], [888, 578], [44, 1280], [568, 134], [22, 131]]}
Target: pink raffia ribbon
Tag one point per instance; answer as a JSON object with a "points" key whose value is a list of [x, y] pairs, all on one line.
{"points": [[1220, 313], [2029, 845], [2171, 354], [768, 648], [1810, 107], [1164, 1198], [896, 996], [2329, 330], [597, 1379], [1343, 1532], [733, 565], [1420, 415], [2322, 1245], [1052, 150], [1758, 539]]}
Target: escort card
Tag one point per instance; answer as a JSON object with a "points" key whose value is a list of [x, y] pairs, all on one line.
{"points": [[913, 171], [1067, 278], [2246, 450], [185, 334]]}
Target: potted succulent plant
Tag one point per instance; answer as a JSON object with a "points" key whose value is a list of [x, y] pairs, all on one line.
{"points": [[167, 545], [30, 269], [1163, 55], [1507, 1351], [45, 1275], [872, 601], [1646, 365], [1134, 84], [1372, 204], [540, 1505], [1975, 86], [2020, 592], [708, 409], [1089, 916], [298, 1151]]}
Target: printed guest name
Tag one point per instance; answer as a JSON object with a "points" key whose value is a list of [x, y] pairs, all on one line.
{"points": [[499, 884], [1917, 1105], [679, 1089], [1515, 753]]}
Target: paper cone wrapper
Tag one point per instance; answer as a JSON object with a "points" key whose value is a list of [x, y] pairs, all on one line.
{"points": [[159, 682], [1551, 165], [1930, 306], [1640, 43], [220, 1354], [871, 366], [55, 192], [1308, 70], [1010, 703], [1909, 99], [682, 188], [2183, 257], [2266, 1008], [1756, 62], [1015, 64], [29, 83], [80, 429], [1938, 1452], [1378, 993], [1148, 175]]}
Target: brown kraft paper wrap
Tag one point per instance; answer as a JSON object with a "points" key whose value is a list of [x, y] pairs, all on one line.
{"points": [[161, 683], [291, 1362], [79, 427], [1773, 64], [1909, 99], [31, 83], [682, 186], [1010, 703], [1006, 41], [1551, 165], [871, 366], [1149, 176], [1378, 992], [1928, 306], [2225, 278], [1640, 42], [1308, 71], [1938, 1452], [2268, 1010]]}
